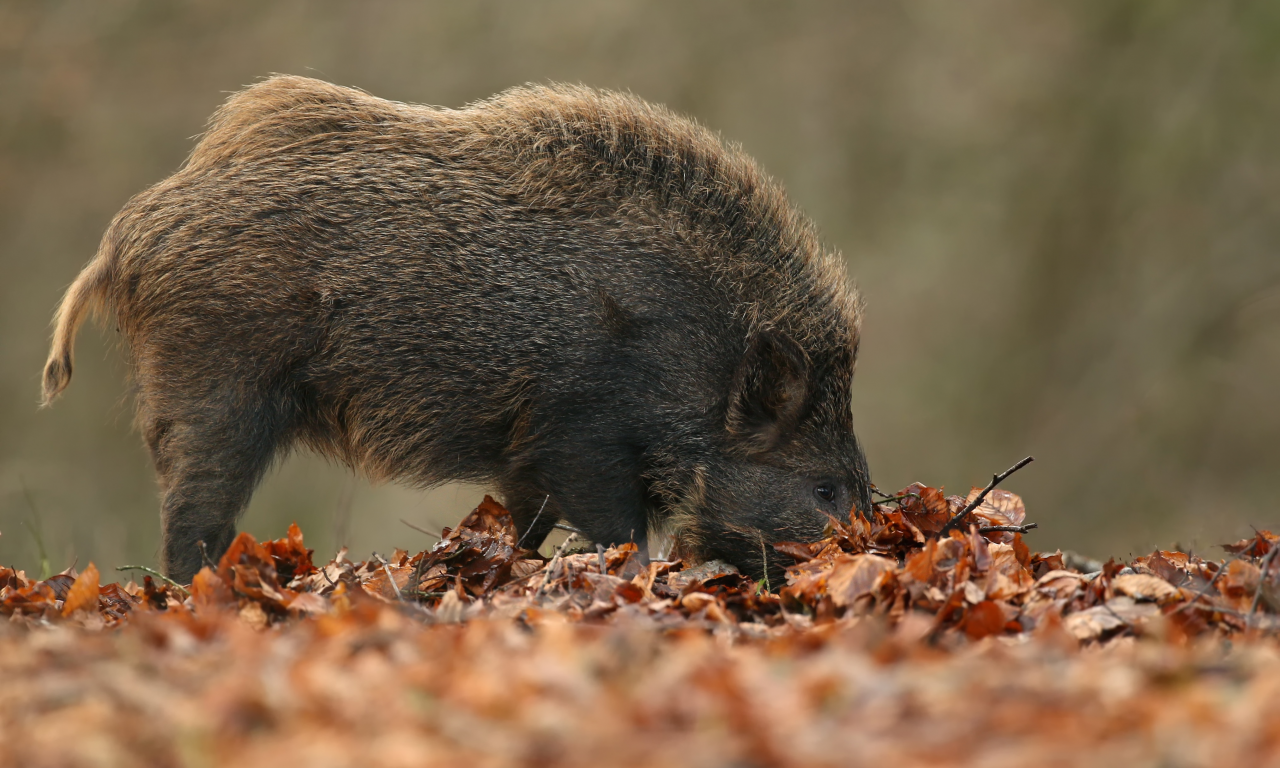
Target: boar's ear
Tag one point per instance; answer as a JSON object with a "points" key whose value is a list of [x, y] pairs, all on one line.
{"points": [[769, 391]]}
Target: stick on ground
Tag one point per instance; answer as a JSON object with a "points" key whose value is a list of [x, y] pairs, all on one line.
{"points": [[158, 575], [898, 499], [955, 522], [204, 556], [1008, 528], [764, 558], [1264, 566], [386, 566], [421, 530], [551, 566], [534, 524]]}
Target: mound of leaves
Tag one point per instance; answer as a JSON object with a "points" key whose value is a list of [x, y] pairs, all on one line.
{"points": [[896, 567], [890, 643]]}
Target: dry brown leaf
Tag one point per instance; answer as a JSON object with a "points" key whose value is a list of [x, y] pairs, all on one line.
{"points": [[83, 594], [1142, 586], [309, 602], [1000, 507], [856, 575], [209, 591], [988, 617], [252, 613], [477, 570], [712, 569], [696, 601], [1117, 613], [1091, 624], [973, 594]]}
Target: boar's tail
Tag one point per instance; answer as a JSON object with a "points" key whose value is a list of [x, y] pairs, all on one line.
{"points": [[85, 294]]}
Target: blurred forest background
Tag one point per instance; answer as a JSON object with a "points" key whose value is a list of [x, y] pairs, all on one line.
{"points": [[1063, 217]]}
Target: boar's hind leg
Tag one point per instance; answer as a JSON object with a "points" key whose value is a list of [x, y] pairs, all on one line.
{"points": [[210, 455]]}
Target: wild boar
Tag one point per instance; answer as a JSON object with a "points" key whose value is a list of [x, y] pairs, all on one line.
{"points": [[579, 297]]}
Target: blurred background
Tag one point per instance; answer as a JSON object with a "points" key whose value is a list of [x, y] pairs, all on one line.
{"points": [[1063, 217]]}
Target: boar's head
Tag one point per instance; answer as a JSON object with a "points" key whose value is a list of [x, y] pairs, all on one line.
{"points": [[789, 461]]}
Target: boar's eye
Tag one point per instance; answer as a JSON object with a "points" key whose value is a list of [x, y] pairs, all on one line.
{"points": [[825, 492]]}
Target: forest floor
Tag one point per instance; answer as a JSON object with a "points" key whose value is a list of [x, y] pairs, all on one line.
{"points": [[895, 641]]}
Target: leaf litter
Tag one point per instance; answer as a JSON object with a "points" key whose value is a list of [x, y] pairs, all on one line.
{"points": [[886, 642]]}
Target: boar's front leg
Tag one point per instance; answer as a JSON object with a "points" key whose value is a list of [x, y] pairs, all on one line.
{"points": [[596, 488], [532, 509], [210, 452], [600, 490]]}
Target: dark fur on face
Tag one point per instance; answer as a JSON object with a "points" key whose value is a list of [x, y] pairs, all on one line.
{"points": [[572, 293]]}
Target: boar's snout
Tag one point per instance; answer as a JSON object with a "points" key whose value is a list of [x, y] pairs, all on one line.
{"points": [[791, 464], [750, 507]]}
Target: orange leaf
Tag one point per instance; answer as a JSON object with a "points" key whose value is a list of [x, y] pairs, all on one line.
{"points": [[83, 593], [985, 618], [290, 556], [920, 564], [208, 590], [929, 512], [244, 549], [1000, 507], [854, 576], [1021, 551]]}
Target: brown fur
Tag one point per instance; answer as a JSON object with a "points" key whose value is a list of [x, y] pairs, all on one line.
{"points": [[570, 292]]}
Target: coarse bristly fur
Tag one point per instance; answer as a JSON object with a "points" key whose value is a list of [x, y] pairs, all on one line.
{"points": [[570, 293]]}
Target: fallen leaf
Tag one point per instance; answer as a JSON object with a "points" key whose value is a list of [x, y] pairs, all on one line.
{"points": [[1142, 586], [83, 594], [857, 575], [1117, 613], [707, 571], [1000, 507], [986, 618], [209, 591]]}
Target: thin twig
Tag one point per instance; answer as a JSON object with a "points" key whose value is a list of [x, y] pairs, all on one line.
{"points": [[954, 522], [158, 575], [421, 530], [1262, 580], [429, 595], [417, 571], [898, 499], [535, 520], [390, 577], [604, 567], [204, 555], [1008, 528], [516, 583], [567, 527], [551, 567], [764, 557]]}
